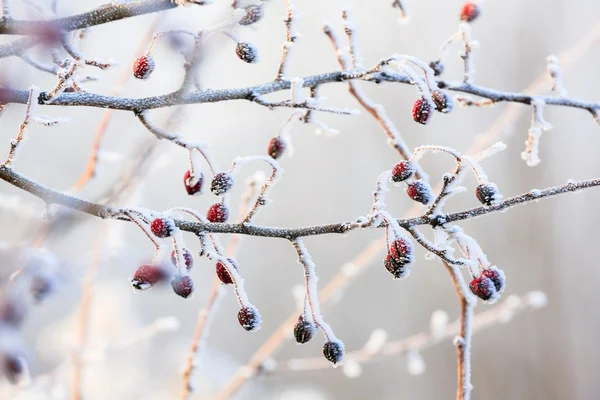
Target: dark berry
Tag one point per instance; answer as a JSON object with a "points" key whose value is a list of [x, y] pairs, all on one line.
{"points": [[437, 66], [218, 212], [397, 268], [484, 288], [13, 367], [488, 194], [249, 319], [253, 14], [163, 227], [221, 183], [304, 331], [497, 276], [143, 67], [183, 286], [443, 101], [420, 191], [187, 256], [222, 271], [196, 188], [276, 147], [334, 351], [403, 170], [421, 111], [469, 12], [147, 276], [246, 52]]}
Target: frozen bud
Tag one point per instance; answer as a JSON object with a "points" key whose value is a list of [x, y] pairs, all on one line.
{"points": [[304, 330], [187, 256], [41, 287], [183, 286], [221, 183], [469, 12], [497, 276], [420, 191], [218, 212], [249, 319], [488, 194], [443, 101], [253, 14], [421, 111], [403, 170], [437, 66], [247, 52], [415, 363], [276, 147], [147, 276], [12, 311], [334, 351], [484, 288], [193, 184], [143, 67], [163, 227], [352, 369], [222, 273]]}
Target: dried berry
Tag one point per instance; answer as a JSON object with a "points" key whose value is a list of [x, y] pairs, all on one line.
{"points": [[187, 256], [147, 276], [437, 66], [484, 288], [163, 227], [421, 111], [249, 319], [253, 14], [193, 185], [222, 271], [420, 191], [334, 351], [276, 147], [469, 12], [304, 330], [218, 212], [221, 183], [403, 170], [488, 194], [497, 276], [143, 67], [246, 52], [183, 286], [443, 101], [397, 268]]}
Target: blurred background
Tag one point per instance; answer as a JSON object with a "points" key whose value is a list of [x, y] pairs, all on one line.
{"points": [[138, 343]]}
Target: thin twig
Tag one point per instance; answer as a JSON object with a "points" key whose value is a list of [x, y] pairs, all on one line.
{"points": [[290, 38]]}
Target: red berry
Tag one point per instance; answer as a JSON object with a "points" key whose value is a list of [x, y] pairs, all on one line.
{"points": [[187, 256], [304, 331], [421, 111], [469, 12], [163, 227], [147, 276], [401, 250], [403, 170], [484, 288], [143, 67], [420, 191], [246, 52], [253, 14], [443, 101], [222, 271], [276, 147], [218, 212], [488, 194], [334, 351], [196, 188], [497, 276], [183, 286], [249, 319], [221, 183]]}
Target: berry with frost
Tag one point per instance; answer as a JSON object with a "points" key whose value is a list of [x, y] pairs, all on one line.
{"points": [[399, 257], [420, 191], [497, 276], [187, 256], [488, 194], [443, 101], [276, 147], [469, 12], [403, 170], [437, 66], [421, 111], [218, 212], [253, 14], [143, 67], [484, 288], [249, 319], [196, 188], [147, 276], [247, 52], [183, 286], [221, 183], [222, 273], [304, 330], [163, 227], [334, 351]]}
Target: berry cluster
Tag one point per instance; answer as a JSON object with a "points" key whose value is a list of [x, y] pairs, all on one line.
{"points": [[421, 110], [489, 284]]}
